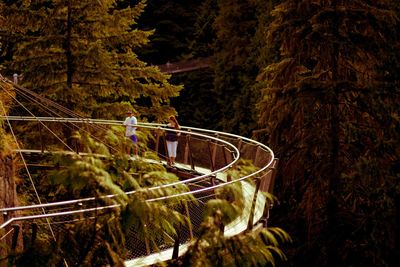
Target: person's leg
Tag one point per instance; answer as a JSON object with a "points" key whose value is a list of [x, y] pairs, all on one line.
{"points": [[169, 150], [173, 154], [134, 142]]}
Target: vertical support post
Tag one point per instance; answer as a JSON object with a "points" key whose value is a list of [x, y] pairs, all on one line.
{"points": [[16, 228], [190, 155], [240, 143], [41, 137], [257, 156], [175, 252], [34, 233], [212, 163], [166, 149], [224, 154], [157, 141], [189, 224], [76, 146], [214, 153], [146, 241], [186, 155], [253, 204], [13, 247]]}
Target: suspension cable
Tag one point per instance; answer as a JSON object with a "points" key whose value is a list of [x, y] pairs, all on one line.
{"points": [[24, 92], [22, 105], [27, 170]]}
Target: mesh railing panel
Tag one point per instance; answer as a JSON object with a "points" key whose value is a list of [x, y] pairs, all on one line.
{"points": [[197, 151]]}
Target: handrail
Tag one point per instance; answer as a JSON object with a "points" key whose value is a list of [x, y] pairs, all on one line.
{"points": [[56, 214], [188, 130], [119, 123]]}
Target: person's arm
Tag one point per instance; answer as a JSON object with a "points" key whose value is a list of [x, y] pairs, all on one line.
{"points": [[134, 120]]}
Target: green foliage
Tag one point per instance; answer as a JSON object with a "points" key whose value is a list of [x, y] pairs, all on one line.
{"points": [[84, 177], [229, 202], [234, 67], [250, 248], [6, 95], [99, 239], [253, 248], [82, 55], [329, 111], [91, 242]]}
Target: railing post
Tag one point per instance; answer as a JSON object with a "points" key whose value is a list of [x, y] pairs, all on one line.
{"points": [[211, 155], [253, 204], [214, 153], [224, 154], [188, 152], [175, 252], [268, 179], [14, 242], [166, 149], [157, 140], [190, 223], [256, 156], [239, 146], [146, 242], [76, 146], [41, 137], [34, 233]]}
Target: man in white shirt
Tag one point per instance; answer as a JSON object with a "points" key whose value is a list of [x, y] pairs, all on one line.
{"points": [[130, 131]]}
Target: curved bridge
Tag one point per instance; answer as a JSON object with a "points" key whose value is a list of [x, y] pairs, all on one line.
{"points": [[204, 161]]}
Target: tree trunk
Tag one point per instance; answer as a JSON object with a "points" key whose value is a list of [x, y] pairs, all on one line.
{"points": [[8, 198]]}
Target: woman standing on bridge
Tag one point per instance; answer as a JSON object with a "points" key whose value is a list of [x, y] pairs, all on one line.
{"points": [[172, 139]]}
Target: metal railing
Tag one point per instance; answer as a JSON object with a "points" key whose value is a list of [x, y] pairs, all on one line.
{"points": [[205, 154]]}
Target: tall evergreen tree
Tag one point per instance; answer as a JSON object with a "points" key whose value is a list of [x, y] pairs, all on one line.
{"points": [[82, 55], [329, 110], [199, 88], [235, 68]]}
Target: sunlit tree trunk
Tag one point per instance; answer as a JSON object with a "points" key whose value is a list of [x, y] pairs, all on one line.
{"points": [[8, 198]]}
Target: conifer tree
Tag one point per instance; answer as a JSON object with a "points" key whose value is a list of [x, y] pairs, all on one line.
{"points": [[329, 110], [82, 55], [235, 68]]}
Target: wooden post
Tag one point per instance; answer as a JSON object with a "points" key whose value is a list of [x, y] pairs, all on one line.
{"points": [[212, 163], [157, 141], [175, 252], [240, 144], [253, 205], [189, 224], [257, 156], [14, 242], [223, 153], [166, 149], [34, 227], [41, 137], [190, 152], [8, 198]]}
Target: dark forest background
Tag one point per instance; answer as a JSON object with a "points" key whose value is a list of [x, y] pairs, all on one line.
{"points": [[318, 82]]}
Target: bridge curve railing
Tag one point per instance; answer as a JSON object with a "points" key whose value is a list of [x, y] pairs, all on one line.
{"points": [[205, 154]]}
